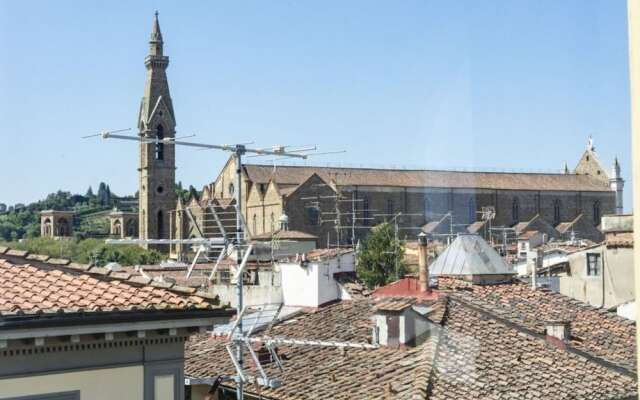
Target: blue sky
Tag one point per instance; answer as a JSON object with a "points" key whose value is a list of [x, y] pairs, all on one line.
{"points": [[477, 85]]}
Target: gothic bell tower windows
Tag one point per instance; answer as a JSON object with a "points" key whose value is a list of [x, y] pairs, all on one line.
{"points": [[159, 147], [157, 159]]}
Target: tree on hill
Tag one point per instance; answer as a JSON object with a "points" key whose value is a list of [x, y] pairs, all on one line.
{"points": [[379, 256], [23, 221], [89, 193]]}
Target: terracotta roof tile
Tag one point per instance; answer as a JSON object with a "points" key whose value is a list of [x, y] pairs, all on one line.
{"points": [[489, 345], [294, 175], [29, 289]]}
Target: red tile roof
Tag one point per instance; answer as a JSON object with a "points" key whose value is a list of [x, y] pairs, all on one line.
{"points": [[490, 344], [28, 289], [293, 175], [598, 332], [405, 287]]}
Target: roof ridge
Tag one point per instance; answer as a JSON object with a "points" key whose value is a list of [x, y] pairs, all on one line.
{"points": [[101, 273], [559, 174], [523, 329]]}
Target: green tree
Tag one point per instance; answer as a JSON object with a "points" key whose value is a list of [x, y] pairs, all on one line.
{"points": [[89, 193], [380, 260]]}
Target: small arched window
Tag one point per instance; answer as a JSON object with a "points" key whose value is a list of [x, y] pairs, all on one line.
{"points": [[160, 225], [47, 227], [472, 210], [63, 227], [273, 222], [255, 224], [159, 150], [557, 215], [427, 209], [365, 210], [515, 210], [313, 215], [596, 212], [117, 228], [231, 189]]}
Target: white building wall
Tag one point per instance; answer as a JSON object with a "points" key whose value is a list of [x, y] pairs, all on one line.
{"points": [[312, 284]]}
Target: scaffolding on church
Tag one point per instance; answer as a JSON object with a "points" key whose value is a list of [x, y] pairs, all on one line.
{"points": [[240, 336]]}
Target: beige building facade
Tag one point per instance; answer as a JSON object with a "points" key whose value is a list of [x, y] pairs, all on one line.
{"points": [[603, 275]]}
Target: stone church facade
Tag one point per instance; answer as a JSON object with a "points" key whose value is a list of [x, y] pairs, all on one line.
{"points": [[308, 196]]}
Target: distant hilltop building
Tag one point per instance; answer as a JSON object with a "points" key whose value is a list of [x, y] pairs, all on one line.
{"points": [[306, 194], [55, 224]]}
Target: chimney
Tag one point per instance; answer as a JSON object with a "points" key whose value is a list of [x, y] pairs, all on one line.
{"points": [[396, 323], [423, 269], [558, 330]]}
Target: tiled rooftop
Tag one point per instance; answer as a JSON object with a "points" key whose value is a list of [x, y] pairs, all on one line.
{"points": [[294, 175], [491, 345], [598, 332], [40, 287]]}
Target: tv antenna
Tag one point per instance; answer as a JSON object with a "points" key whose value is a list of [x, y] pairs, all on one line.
{"points": [[242, 248]]}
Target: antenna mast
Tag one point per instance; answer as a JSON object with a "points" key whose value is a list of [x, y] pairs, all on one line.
{"points": [[242, 250]]}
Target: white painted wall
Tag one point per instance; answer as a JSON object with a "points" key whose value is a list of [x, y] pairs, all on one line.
{"points": [[551, 257], [125, 383], [267, 291], [627, 310], [312, 284]]}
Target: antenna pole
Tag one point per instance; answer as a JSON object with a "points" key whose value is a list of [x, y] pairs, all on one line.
{"points": [[239, 151]]}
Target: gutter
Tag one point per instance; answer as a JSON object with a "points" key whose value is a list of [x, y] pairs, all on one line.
{"points": [[62, 320]]}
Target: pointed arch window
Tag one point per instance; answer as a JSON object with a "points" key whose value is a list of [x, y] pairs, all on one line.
{"points": [[365, 210], [160, 225], [515, 210], [255, 224], [159, 147], [596, 213], [472, 210], [557, 208], [47, 227], [427, 209], [117, 228]]}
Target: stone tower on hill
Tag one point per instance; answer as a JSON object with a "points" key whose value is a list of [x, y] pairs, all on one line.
{"points": [[157, 161]]}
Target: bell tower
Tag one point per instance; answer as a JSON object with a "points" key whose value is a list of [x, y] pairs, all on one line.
{"points": [[157, 160]]}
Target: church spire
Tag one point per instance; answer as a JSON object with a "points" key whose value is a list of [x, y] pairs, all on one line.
{"points": [[156, 34], [156, 42]]}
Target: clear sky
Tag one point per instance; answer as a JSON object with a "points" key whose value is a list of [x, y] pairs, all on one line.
{"points": [[466, 84]]}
